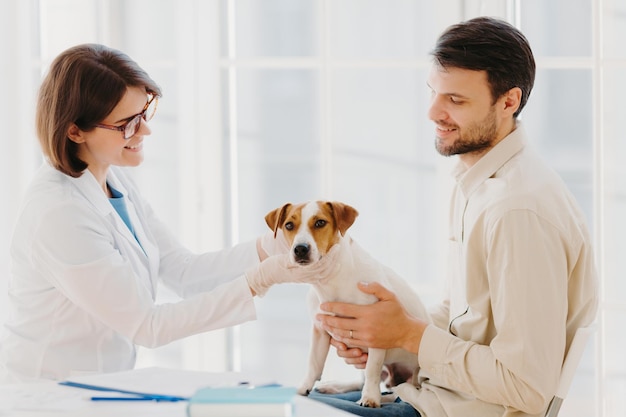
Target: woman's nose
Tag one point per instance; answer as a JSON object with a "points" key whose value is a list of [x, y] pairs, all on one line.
{"points": [[144, 128]]}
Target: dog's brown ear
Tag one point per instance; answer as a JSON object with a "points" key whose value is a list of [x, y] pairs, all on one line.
{"points": [[344, 215], [275, 218]]}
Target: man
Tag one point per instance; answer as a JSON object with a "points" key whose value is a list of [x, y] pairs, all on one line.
{"points": [[521, 276]]}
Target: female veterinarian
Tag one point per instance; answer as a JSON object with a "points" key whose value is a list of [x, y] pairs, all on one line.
{"points": [[87, 250]]}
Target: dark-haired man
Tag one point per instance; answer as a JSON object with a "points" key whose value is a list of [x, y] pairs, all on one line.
{"points": [[521, 277]]}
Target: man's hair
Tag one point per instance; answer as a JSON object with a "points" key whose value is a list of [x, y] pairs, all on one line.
{"points": [[490, 45], [82, 87]]}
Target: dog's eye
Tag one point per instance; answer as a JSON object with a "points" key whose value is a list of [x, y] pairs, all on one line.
{"points": [[289, 225], [320, 223]]}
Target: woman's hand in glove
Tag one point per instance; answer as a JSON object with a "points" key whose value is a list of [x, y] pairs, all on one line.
{"points": [[279, 269]]}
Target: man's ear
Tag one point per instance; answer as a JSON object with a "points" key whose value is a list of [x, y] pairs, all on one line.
{"points": [[512, 100], [75, 134]]}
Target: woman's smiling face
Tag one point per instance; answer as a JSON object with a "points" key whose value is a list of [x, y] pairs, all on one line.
{"points": [[101, 148]]}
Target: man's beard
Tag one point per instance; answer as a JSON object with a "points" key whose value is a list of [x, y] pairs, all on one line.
{"points": [[474, 139]]}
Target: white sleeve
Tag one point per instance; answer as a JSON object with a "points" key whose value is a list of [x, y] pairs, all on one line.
{"points": [[75, 251]]}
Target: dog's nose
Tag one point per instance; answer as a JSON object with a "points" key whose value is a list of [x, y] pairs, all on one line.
{"points": [[301, 250]]}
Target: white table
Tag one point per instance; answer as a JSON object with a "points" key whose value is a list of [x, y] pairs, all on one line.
{"points": [[50, 399]]}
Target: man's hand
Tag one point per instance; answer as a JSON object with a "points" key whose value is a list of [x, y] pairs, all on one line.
{"points": [[384, 324], [352, 356]]}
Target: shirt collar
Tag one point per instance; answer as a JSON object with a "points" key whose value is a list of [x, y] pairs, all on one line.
{"points": [[470, 179]]}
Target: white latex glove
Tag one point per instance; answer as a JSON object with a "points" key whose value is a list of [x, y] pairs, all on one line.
{"points": [[279, 269], [274, 245]]}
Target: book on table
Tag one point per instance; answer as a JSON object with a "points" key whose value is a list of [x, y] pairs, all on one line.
{"points": [[269, 401]]}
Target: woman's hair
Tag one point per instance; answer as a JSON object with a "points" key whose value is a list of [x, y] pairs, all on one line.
{"points": [[490, 45], [82, 87]]}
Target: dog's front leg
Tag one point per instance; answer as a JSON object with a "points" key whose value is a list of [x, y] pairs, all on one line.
{"points": [[320, 344], [370, 396]]}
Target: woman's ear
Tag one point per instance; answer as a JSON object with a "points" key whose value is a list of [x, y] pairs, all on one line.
{"points": [[75, 134]]}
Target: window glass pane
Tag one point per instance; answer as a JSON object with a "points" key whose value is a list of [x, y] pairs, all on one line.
{"points": [[381, 29], [614, 173], [57, 16], [385, 164], [558, 27], [147, 29], [278, 143], [614, 28], [380, 112], [562, 129], [281, 28]]}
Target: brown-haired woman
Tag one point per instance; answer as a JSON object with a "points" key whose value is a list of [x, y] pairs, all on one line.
{"points": [[88, 250]]}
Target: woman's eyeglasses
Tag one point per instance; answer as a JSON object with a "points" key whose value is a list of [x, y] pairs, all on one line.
{"points": [[131, 127]]}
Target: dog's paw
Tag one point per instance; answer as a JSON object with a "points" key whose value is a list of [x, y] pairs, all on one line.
{"points": [[304, 390], [370, 395], [368, 402]]}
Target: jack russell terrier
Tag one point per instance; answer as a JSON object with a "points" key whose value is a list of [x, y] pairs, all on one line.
{"points": [[310, 230]]}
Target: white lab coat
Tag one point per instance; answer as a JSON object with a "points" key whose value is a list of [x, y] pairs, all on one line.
{"points": [[82, 289]]}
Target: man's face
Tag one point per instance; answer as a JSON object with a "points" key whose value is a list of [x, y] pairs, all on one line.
{"points": [[467, 122]]}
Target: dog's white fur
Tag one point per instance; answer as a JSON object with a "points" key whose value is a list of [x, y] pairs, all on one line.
{"points": [[311, 229]]}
